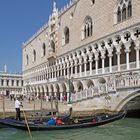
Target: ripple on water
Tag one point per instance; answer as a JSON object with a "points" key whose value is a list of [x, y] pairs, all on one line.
{"points": [[7, 132]]}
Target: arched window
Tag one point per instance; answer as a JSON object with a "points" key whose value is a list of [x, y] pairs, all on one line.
{"points": [[119, 14], [53, 46], [87, 27], [92, 1], [124, 12], [34, 55], [129, 9], [66, 35], [27, 59], [43, 49]]}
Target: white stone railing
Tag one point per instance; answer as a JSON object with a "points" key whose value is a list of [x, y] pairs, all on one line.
{"points": [[85, 94], [118, 81], [128, 80]]}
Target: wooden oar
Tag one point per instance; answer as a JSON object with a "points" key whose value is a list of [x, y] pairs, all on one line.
{"points": [[29, 131]]}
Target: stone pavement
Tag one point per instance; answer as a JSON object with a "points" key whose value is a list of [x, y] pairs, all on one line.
{"points": [[63, 107]]}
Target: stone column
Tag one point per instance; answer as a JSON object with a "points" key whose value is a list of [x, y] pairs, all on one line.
{"points": [[54, 72], [10, 82], [96, 55], [127, 59], [75, 65], [118, 60], [103, 64], [61, 97], [137, 57], [96, 65], [71, 69], [61, 69], [80, 67], [110, 63], [64, 67], [85, 62], [80, 63], [126, 39], [57, 70], [90, 54], [90, 61]]}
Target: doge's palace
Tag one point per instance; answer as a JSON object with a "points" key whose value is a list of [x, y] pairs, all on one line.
{"points": [[88, 51]]}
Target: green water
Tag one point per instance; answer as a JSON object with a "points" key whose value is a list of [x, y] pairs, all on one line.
{"points": [[125, 129]]}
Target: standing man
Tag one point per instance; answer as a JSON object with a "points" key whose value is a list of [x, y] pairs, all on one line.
{"points": [[17, 107]]}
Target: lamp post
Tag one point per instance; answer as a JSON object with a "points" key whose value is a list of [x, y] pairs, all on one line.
{"points": [[69, 82], [107, 98]]}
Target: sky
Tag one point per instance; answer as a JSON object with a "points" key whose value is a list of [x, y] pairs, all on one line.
{"points": [[19, 20]]}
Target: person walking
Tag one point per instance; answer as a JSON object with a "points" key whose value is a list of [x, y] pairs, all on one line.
{"points": [[17, 107]]}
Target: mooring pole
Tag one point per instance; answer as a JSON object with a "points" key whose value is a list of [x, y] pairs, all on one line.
{"points": [[51, 105], [3, 104]]}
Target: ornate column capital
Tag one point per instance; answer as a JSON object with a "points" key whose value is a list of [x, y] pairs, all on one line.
{"points": [[127, 40], [127, 50]]}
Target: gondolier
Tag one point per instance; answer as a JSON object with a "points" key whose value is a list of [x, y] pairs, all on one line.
{"points": [[17, 107]]}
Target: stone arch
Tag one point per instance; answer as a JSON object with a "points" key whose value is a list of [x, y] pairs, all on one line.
{"points": [[47, 89], [34, 91], [51, 89], [102, 80], [69, 88], [56, 90], [127, 99], [80, 86], [62, 88], [31, 89], [90, 83], [42, 90]]}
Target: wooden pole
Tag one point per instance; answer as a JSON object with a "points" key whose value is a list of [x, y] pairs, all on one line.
{"points": [[41, 102], [51, 105], [56, 105], [3, 104], [34, 106], [27, 124], [41, 107]]}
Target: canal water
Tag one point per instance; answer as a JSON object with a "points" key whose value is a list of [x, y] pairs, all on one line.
{"points": [[125, 129]]}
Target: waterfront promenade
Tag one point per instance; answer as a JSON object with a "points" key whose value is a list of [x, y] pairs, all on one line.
{"points": [[29, 106]]}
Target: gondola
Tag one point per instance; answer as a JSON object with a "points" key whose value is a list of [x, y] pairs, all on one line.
{"points": [[71, 124]]}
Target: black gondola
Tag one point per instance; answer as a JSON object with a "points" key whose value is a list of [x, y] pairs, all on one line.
{"points": [[81, 123]]}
